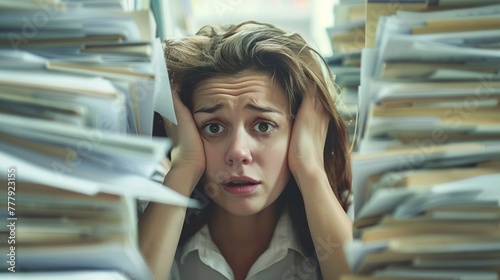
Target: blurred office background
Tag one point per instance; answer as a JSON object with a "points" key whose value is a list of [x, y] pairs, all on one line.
{"points": [[310, 18]]}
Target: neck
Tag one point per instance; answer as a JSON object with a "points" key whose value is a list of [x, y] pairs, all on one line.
{"points": [[241, 240], [225, 226]]}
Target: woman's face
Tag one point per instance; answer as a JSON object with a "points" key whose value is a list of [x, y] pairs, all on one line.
{"points": [[244, 122]]}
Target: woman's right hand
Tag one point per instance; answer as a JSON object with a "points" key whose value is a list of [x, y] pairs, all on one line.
{"points": [[187, 154]]}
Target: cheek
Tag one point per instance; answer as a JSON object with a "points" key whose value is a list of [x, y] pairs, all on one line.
{"points": [[216, 169], [274, 157], [276, 154], [276, 168], [212, 154]]}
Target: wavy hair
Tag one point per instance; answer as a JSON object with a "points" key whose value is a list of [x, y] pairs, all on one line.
{"points": [[286, 57]]}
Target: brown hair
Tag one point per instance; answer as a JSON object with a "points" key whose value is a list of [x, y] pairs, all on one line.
{"points": [[226, 50]]}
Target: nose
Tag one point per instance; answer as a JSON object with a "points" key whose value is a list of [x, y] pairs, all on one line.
{"points": [[238, 149]]}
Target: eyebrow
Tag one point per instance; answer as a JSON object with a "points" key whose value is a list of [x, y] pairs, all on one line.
{"points": [[263, 109], [215, 108], [209, 110]]}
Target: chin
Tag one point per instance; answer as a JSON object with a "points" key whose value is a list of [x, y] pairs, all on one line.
{"points": [[242, 208]]}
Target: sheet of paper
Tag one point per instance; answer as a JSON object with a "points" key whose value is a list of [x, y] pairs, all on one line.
{"points": [[356, 252], [64, 275], [454, 13], [366, 165], [164, 104], [482, 183], [406, 47], [17, 59], [87, 140], [115, 255], [443, 274], [369, 57], [91, 180], [418, 204], [385, 201]]}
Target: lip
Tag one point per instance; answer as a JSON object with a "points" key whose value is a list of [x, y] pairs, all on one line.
{"points": [[240, 189], [240, 178]]}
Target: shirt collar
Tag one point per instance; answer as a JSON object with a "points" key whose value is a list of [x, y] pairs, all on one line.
{"points": [[284, 238]]}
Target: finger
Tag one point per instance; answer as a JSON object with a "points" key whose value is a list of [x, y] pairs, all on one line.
{"points": [[316, 100], [311, 102], [307, 102]]}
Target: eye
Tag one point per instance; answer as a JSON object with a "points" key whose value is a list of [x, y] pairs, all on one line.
{"points": [[264, 127], [213, 128]]}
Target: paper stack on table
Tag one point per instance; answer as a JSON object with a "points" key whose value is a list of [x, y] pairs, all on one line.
{"points": [[347, 37], [79, 84], [426, 195]]}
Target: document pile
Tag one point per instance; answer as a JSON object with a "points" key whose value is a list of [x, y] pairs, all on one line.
{"points": [[79, 84], [426, 195], [347, 37]]}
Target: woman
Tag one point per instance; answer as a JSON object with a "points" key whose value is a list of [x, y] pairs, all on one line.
{"points": [[260, 141]]}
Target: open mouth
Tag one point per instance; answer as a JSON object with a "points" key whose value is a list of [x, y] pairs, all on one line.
{"points": [[239, 183]]}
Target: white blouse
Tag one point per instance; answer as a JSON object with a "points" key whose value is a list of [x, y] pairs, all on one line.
{"points": [[199, 258]]}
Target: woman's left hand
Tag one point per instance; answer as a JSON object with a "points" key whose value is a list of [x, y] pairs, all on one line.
{"points": [[305, 155]]}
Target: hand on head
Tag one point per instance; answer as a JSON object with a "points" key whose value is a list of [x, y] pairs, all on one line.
{"points": [[305, 154], [187, 152]]}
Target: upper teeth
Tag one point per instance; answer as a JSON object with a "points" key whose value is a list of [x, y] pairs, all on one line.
{"points": [[239, 183]]}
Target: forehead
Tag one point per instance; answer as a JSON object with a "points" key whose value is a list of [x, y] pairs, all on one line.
{"points": [[247, 85]]}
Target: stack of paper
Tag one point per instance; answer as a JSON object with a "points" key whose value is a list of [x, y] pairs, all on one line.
{"points": [[426, 196], [381, 8], [430, 74], [347, 37], [348, 32], [79, 84], [84, 66], [58, 230]]}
